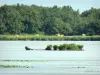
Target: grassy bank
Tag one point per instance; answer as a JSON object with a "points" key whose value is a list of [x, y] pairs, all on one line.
{"points": [[51, 38]]}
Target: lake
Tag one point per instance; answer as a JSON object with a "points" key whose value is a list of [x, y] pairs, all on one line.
{"points": [[85, 62]]}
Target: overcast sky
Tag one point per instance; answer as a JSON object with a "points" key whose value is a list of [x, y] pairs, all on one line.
{"points": [[76, 4]]}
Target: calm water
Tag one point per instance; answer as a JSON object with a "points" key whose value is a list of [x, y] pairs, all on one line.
{"points": [[59, 62]]}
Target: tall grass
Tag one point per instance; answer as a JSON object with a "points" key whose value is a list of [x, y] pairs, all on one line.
{"points": [[51, 38]]}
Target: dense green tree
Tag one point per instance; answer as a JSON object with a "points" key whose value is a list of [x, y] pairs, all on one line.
{"points": [[19, 19], [92, 17]]}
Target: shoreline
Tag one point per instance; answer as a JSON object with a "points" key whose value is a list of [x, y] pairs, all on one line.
{"points": [[48, 38]]}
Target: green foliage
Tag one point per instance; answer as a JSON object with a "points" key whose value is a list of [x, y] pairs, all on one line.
{"points": [[27, 48], [42, 37], [73, 47], [15, 66], [60, 47], [63, 47], [80, 46], [49, 47], [55, 47], [23, 19]]}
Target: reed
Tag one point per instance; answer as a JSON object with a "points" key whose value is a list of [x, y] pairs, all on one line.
{"points": [[51, 38]]}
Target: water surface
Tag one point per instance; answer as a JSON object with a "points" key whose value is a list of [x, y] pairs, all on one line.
{"points": [[87, 61]]}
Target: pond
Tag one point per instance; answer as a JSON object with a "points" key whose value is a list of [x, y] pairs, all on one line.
{"points": [[58, 62]]}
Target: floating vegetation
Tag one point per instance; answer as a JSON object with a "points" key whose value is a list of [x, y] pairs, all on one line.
{"points": [[14, 66], [25, 60], [49, 47], [79, 67], [92, 71], [62, 47], [27, 48]]}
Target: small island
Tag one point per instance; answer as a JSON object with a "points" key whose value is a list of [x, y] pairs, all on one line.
{"points": [[62, 47]]}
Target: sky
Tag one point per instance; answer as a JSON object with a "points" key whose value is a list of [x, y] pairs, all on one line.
{"points": [[82, 5]]}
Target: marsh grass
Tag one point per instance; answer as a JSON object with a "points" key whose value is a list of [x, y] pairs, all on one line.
{"points": [[51, 38]]}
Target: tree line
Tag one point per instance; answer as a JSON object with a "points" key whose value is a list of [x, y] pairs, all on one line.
{"points": [[33, 19]]}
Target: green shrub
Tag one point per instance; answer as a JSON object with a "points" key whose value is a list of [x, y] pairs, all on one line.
{"points": [[80, 46], [55, 47], [49, 47], [27, 48], [65, 47], [73, 47], [60, 47]]}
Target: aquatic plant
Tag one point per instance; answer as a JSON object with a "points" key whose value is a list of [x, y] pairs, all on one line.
{"points": [[55, 47], [49, 47], [27, 48], [24, 60], [60, 47], [73, 47], [80, 46], [65, 47], [15, 66]]}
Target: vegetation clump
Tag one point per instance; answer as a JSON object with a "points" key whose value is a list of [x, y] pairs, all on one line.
{"points": [[65, 47], [27, 48], [73, 47], [24, 60], [80, 46], [61, 47], [14, 66], [49, 47], [55, 47]]}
